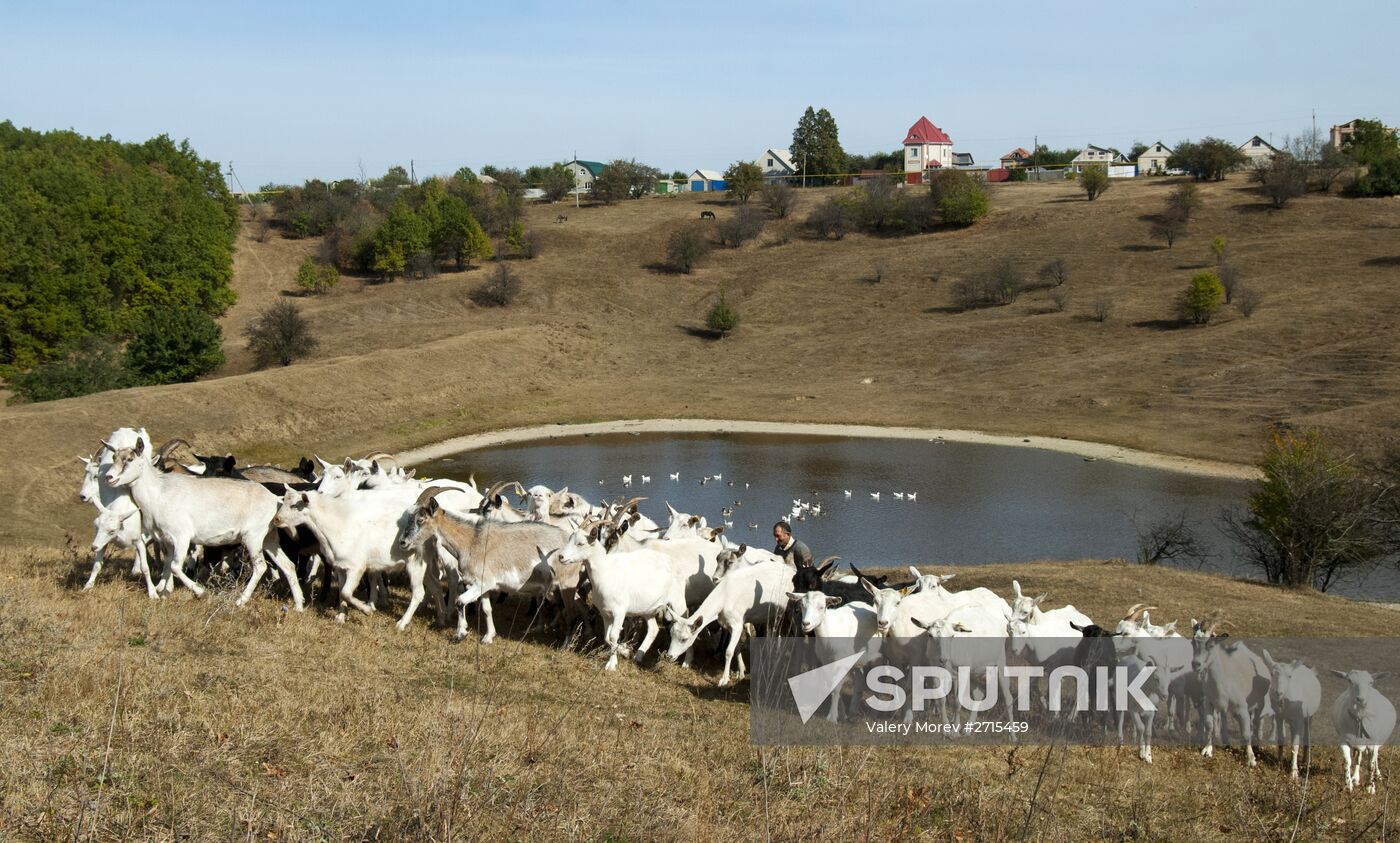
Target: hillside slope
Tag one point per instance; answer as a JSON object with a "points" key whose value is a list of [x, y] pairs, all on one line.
{"points": [[600, 334]]}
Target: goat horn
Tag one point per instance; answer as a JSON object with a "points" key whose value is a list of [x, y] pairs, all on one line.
{"points": [[495, 489], [430, 493], [826, 560], [632, 503]]}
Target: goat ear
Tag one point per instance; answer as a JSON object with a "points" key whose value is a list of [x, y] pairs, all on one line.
{"points": [[433, 506], [794, 595], [867, 586], [1037, 601], [1376, 677], [827, 567], [85, 460], [743, 548], [1338, 673], [915, 572], [832, 601], [1016, 589], [127, 517], [140, 447], [920, 623], [946, 577], [230, 462], [1268, 659]]}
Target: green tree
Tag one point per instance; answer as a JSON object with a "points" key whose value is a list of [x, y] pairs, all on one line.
{"points": [[686, 248], [1203, 297], [278, 335], [816, 147], [722, 317], [1371, 142], [1312, 517], [1380, 179], [743, 179], [458, 237], [1208, 159], [611, 185], [174, 345], [95, 365], [1094, 181], [389, 261], [556, 181], [515, 237]]}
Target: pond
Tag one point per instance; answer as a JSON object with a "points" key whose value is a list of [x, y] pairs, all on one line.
{"points": [[971, 503]]}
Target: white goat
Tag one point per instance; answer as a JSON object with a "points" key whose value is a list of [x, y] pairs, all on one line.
{"points": [[1364, 720], [626, 583], [1235, 686], [747, 593], [972, 637], [1296, 696], [840, 630], [183, 510]]}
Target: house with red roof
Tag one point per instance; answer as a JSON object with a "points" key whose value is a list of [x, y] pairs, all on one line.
{"points": [[1016, 157], [926, 147]]}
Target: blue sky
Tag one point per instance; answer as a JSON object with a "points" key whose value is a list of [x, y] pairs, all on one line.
{"points": [[290, 91]]}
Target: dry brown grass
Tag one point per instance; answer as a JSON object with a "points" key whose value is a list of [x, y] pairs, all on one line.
{"points": [[214, 723]]}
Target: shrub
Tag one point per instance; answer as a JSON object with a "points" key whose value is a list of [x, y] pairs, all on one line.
{"points": [[722, 317], [1101, 309], [1282, 178], [421, 264], [831, 219], [529, 245], [686, 248], [316, 278], [278, 335], [1168, 226], [1218, 247], [1247, 301], [1380, 179], [958, 198], [389, 261], [173, 345], [877, 272], [1094, 181], [95, 365], [499, 290], [515, 236], [743, 226], [1060, 299], [1203, 298], [778, 198], [1230, 279], [1055, 273], [1184, 200], [998, 285]]}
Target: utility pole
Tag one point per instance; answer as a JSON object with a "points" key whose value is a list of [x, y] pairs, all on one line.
{"points": [[412, 173], [576, 179]]}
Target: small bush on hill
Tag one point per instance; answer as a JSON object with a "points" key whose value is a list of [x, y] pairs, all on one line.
{"points": [[316, 278], [686, 248], [778, 198], [831, 219], [1202, 298], [278, 335], [958, 198], [1094, 181], [499, 290], [746, 224], [722, 317]]}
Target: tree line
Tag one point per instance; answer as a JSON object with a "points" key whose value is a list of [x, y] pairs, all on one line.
{"points": [[114, 260]]}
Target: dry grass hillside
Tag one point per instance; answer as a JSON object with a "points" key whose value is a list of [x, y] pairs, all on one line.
{"points": [[184, 719], [598, 334], [122, 718]]}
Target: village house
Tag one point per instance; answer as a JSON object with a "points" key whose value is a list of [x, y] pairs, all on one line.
{"points": [[776, 164], [926, 147], [1154, 159], [1015, 158], [1257, 151], [1342, 131], [1092, 155], [584, 172]]}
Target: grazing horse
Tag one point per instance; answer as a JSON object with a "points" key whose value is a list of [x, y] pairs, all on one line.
{"points": [[707, 215]]}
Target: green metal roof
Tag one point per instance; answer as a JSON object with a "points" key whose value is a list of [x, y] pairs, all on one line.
{"points": [[594, 167]]}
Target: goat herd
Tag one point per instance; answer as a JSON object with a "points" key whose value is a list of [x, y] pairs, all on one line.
{"points": [[367, 518]]}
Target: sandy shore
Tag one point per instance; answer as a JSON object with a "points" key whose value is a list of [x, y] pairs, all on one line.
{"points": [[1087, 450]]}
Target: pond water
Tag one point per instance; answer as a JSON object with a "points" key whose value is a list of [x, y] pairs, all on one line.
{"points": [[975, 503]]}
